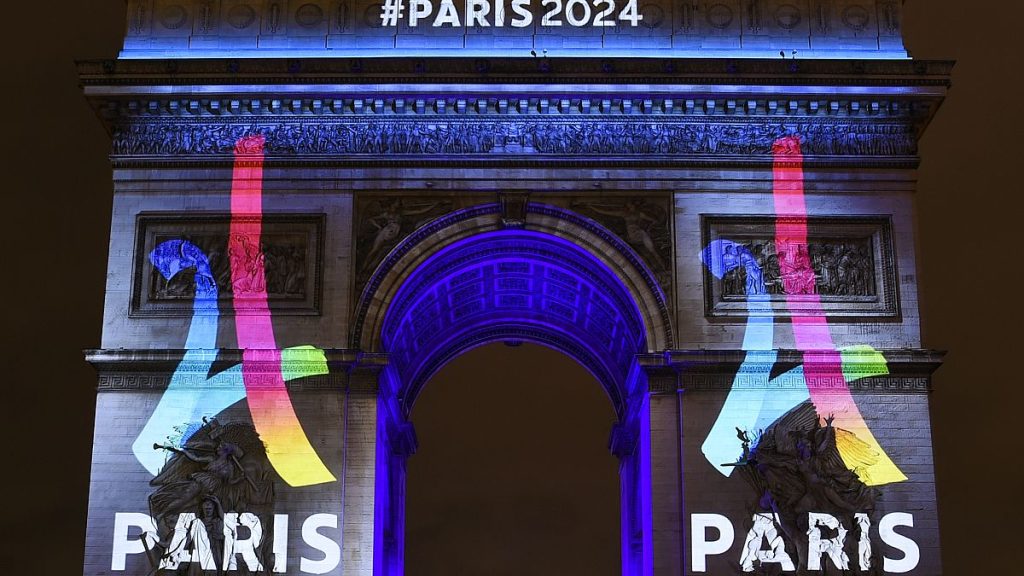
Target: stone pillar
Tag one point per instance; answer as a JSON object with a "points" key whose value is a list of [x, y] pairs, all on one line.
{"points": [[661, 431], [401, 443], [361, 438], [379, 442], [623, 444]]}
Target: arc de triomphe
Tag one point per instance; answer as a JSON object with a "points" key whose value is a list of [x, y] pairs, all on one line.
{"points": [[707, 204]]}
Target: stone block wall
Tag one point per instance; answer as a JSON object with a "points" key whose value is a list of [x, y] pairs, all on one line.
{"points": [[822, 28]]}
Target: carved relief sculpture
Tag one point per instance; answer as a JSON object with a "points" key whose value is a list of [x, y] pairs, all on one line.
{"points": [[384, 221], [799, 478], [501, 137], [852, 266], [643, 224], [289, 251], [218, 469], [841, 268]]}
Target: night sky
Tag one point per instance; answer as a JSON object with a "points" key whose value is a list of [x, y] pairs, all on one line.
{"points": [[533, 494]]}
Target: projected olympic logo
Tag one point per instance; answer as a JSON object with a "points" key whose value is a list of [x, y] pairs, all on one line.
{"points": [[754, 408], [273, 415]]}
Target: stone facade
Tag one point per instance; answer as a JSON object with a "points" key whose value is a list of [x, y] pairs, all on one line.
{"points": [[409, 209], [818, 28]]}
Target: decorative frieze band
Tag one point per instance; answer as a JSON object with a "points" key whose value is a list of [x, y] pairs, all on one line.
{"points": [[685, 370], [497, 137], [140, 382]]}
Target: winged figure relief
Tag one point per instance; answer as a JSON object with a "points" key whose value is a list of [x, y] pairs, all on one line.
{"points": [[221, 469], [642, 224], [796, 468]]}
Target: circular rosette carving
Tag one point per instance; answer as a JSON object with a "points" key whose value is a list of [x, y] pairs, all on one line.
{"points": [[173, 17], [241, 16], [856, 18], [371, 16], [309, 15], [653, 15], [719, 16], [788, 17]]}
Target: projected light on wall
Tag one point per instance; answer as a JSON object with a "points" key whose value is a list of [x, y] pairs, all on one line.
{"points": [[757, 400], [261, 377]]}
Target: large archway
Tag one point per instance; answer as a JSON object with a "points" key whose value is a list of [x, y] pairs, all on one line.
{"points": [[551, 278]]}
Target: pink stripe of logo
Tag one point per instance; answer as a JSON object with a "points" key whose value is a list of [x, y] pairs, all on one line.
{"points": [[823, 364], [273, 415]]}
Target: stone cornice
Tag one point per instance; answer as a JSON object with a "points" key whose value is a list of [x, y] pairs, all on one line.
{"points": [[909, 370], [514, 71], [635, 88], [626, 104], [139, 370], [570, 112], [112, 359]]}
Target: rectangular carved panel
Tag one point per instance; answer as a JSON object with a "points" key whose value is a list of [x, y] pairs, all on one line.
{"points": [[852, 258], [292, 253]]}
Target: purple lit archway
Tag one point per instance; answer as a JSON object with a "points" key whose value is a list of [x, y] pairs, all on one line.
{"points": [[556, 279]]}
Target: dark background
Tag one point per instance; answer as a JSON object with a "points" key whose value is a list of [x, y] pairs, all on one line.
{"points": [[56, 217]]}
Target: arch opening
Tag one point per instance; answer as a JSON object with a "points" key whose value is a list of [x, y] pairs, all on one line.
{"points": [[466, 281], [504, 482]]}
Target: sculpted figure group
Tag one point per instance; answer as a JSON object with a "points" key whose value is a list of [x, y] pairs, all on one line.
{"points": [[220, 468], [838, 268], [501, 136]]}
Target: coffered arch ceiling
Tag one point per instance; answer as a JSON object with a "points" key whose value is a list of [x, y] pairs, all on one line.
{"points": [[482, 283]]}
